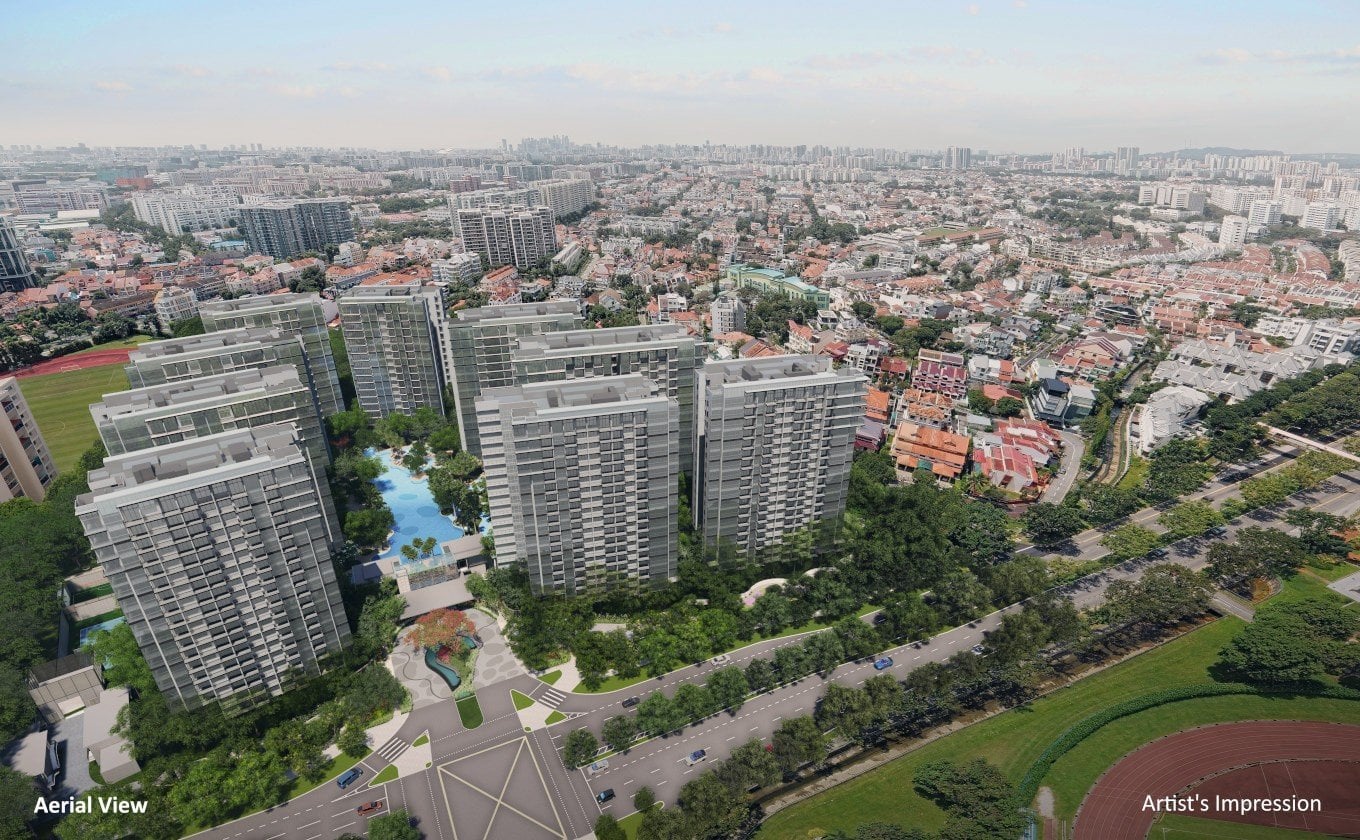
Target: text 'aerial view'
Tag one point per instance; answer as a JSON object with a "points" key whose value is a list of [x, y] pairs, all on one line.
{"points": [[906, 420]]}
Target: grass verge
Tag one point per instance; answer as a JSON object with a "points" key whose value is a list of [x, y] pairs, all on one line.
{"points": [[387, 774], [522, 701], [422, 740], [470, 712], [555, 717], [551, 677], [338, 765]]}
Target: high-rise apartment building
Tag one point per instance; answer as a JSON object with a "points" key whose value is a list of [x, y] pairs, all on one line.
{"points": [[482, 343], [958, 157], [177, 213], [581, 479], [1126, 160], [397, 340], [26, 466], [218, 552], [1264, 213], [210, 354], [775, 439], [129, 421], [729, 314], [666, 354], [300, 315], [514, 236], [1320, 216], [1232, 232], [15, 272], [284, 229]]}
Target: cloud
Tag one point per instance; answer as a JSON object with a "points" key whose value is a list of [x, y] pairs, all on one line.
{"points": [[442, 74], [765, 74], [113, 86], [1238, 55], [1229, 55], [1020, 4], [722, 27], [359, 67], [973, 9], [192, 70], [297, 91]]}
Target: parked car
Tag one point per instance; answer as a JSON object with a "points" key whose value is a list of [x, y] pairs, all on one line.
{"points": [[370, 808], [347, 778], [631, 702], [1157, 553], [977, 650], [604, 795], [880, 617], [721, 659], [1216, 532], [598, 767], [883, 662], [696, 757]]}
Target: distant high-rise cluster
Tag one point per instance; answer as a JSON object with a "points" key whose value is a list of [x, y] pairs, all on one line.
{"points": [[958, 157]]}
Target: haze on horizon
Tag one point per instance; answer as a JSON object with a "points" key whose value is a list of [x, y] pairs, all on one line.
{"points": [[1005, 75]]}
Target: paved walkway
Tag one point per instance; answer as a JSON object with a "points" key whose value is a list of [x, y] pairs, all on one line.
{"points": [[494, 662], [426, 688]]}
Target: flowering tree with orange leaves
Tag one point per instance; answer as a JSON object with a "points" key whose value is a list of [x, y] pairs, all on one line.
{"points": [[441, 630]]}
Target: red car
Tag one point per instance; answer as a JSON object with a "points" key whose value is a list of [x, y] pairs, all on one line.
{"points": [[370, 808]]}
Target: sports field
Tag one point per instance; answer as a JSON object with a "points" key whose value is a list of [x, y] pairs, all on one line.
{"points": [[61, 405]]}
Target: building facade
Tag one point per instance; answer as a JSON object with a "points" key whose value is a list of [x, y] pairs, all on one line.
{"points": [[518, 236], [581, 479], [295, 315], [26, 466], [775, 437], [15, 272], [218, 552], [284, 229], [397, 340], [482, 343], [666, 354], [729, 315]]}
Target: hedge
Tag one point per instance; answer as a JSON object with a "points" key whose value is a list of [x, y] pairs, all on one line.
{"points": [[1083, 729]]}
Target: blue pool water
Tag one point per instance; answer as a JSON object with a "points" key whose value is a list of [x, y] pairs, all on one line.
{"points": [[87, 632], [413, 507], [449, 675]]}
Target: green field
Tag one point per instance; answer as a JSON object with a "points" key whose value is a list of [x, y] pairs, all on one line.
{"points": [[1180, 827], [1014, 739], [61, 407]]}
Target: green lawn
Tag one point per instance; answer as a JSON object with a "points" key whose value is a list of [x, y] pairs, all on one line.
{"points": [[470, 712], [1180, 827], [1012, 740], [61, 407], [551, 677], [1137, 472], [522, 701], [632, 822], [422, 740], [555, 717], [387, 774]]}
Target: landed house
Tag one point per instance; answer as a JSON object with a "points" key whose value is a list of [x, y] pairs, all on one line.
{"points": [[1166, 414], [917, 447], [1005, 466], [1062, 403], [925, 408]]}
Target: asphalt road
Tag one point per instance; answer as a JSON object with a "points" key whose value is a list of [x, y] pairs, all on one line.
{"points": [[498, 782]]}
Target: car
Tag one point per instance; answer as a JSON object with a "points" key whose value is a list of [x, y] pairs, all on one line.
{"points": [[1234, 478], [977, 650], [696, 757], [1157, 552], [347, 778], [721, 659], [879, 618], [631, 702], [1216, 532], [882, 662], [369, 808], [604, 795], [598, 767]]}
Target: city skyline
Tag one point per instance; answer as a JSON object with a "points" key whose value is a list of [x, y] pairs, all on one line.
{"points": [[1006, 75]]}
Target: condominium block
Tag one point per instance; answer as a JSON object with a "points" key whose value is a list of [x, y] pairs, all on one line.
{"points": [[218, 553], [729, 314], [775, 439], [285, 229], [514, 236], [196, 356], [300, 315], [129, 421], [398, 347], [15, 272], [26, 466], [482, 343], [666, 354], [581, 478]]}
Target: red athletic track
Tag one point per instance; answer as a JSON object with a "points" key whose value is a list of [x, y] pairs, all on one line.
{"points": [[94, 358], [1336, 783], [1113, 809]]}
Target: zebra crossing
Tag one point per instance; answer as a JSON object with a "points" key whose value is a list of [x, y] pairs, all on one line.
{"points": [[393, 748], [551, 697]]}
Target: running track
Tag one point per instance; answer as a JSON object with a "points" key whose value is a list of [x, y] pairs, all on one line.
{"points": [[61, 364], [1113, 809]]}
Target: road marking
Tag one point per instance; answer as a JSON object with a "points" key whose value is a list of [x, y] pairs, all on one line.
{"points": [[658, 769], [778, 717], [629, 782], [754, 728], [733, 738], [310, 824], [333, 816], [662, 782]]}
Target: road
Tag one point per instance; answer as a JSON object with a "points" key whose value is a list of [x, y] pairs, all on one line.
{"points": [[498, 781], [1074, 446]]}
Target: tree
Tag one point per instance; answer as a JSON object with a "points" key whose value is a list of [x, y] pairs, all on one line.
{"points": [[1049, 524], [579, 748], [1106, 503], [1256, 552], [1189, 519], [1129, 541], [619, 732], [17, 799], [442, 629], [1293, 642], [644, 798], [960, 596], [187, 327], [983, 533], [1009, 407], [980, 402], [749, 766], [760, 675], [657, 715], [824, 652], [1165, 594], [797, 742], [711, 808], [369, 527], [393, 826], [728, 688], [607, 828], [694, 701], [123, 662], [845, 710], [353, 742]]}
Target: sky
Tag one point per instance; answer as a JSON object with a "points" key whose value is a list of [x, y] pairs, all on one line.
{"points": [[1003, 75]]}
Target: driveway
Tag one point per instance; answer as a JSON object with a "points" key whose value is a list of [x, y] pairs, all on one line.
{"points": [[1074, 446]]}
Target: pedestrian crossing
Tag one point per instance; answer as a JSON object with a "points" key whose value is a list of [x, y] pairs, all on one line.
{"points": [[392, 749], [551, 698]]}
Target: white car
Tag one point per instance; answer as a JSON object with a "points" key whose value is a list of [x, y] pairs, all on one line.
{"points": [[721, 659], [598, 767]]}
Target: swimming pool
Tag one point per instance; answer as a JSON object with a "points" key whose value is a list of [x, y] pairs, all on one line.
{"points": [[412, 506], [87, 632]]}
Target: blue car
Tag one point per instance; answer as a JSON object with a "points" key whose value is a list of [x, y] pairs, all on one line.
{"points": [[883, 662], [347, 778]]}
